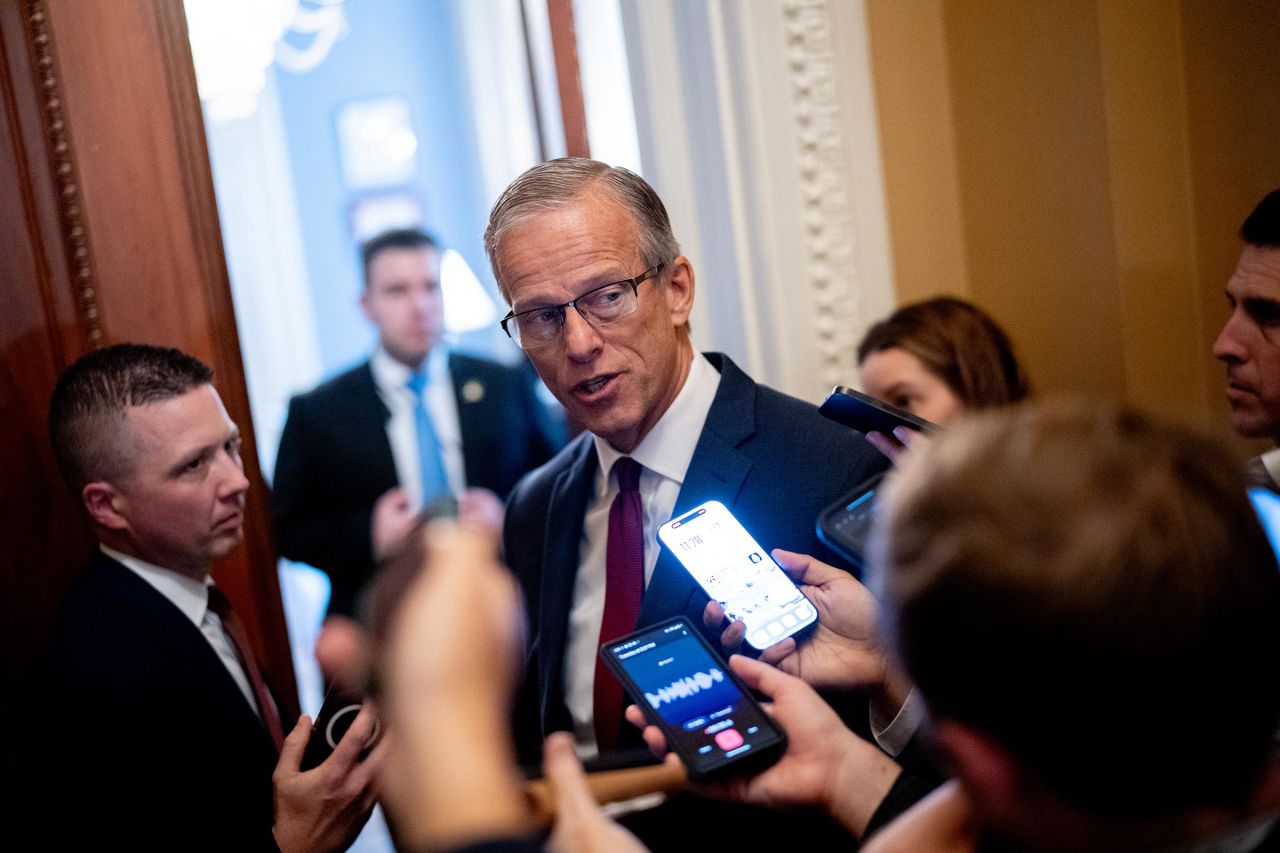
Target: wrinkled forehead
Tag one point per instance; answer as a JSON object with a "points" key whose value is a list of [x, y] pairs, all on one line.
{"points": [[1257, 275], [557, 253]]}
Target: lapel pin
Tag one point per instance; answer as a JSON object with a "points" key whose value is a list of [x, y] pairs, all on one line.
{"points": [[472, 391]]}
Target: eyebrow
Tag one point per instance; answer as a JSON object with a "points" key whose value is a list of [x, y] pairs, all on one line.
{"points": [[597, 282], [199, 452]]}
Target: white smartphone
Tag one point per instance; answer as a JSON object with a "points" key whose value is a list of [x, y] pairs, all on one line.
{"points": [[733, 569]]}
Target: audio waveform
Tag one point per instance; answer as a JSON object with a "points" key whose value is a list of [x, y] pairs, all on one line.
{"points": [[682, 688]]}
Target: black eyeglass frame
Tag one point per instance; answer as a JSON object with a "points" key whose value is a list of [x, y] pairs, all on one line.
{"points": [[563, 308]]}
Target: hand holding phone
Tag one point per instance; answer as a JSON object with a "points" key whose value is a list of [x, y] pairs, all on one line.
{"points": [[733, 569], [707, 716], [820, 750]]}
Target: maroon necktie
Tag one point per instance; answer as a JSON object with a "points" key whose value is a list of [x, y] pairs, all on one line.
{"points": [[221, 605], [624, 587]]}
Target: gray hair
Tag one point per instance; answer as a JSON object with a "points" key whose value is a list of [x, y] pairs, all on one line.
{"points": [[551, 185]]}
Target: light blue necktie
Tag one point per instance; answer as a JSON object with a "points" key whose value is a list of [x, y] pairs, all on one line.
{"points": [[434, 480]]}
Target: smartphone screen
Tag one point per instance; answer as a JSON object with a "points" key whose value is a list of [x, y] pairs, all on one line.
{"points": [[733, 569], [708, 717]]}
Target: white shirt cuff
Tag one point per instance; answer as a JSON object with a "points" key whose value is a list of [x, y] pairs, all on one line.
{"points": [[893, 735]]}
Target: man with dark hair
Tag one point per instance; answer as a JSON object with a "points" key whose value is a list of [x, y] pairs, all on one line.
{"points": [[156, 729], [365, 451], [1091, 611], [1249, 343]]}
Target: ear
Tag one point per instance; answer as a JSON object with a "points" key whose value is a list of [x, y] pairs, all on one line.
{"points": [[105, 505], [679, 291], [366, 306], [990, 774]]}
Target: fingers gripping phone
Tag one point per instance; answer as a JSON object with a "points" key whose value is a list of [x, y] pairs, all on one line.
{"points": [[709, 718], [733, 569], [337, 713]]}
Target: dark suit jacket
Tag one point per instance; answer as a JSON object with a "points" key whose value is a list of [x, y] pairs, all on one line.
{"points": [[771, 459], [142, 739], [335, 462]]}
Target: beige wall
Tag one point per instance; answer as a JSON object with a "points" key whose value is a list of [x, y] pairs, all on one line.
{"points": [[1079, 168]]}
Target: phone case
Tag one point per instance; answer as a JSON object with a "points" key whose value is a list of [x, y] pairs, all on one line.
{"points": [[867, 414], [768, 750]]}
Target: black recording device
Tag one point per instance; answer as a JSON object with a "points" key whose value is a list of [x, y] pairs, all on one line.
{"points": [[337, 713], [709, 718], [867, 414], [845, 525]]}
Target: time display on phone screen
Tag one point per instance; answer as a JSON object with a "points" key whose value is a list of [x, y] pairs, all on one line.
{"points": [[732, 568]]}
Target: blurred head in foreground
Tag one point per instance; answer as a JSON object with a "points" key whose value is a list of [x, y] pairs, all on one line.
{"points": [[1091, 612]]}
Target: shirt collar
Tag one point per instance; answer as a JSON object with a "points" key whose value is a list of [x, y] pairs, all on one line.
{"points": [[189, 595], [668, 447], [1271, 461], [391, 375]]}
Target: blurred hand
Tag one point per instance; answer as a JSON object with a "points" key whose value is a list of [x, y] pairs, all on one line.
{"points": [[580, 825], [481, 509], [825, 764], [342, 650], [894, 446], [450, 663], [326, 807], [393, 518]]}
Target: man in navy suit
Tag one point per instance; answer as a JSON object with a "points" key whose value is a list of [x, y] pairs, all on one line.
{"points": [[155, 727], [600, 299], [365, 451], [1248, 343]]}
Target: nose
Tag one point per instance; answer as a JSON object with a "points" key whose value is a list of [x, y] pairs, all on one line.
{"points": [[234, 483], [582, 340], [1229, 346]]}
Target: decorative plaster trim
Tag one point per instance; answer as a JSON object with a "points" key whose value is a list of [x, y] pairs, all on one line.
{"points": [[75, 233], [829, 221]]}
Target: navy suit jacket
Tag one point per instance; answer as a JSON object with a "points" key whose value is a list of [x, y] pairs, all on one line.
{"points": [[770, 458], [143, 741], [335, 461]]}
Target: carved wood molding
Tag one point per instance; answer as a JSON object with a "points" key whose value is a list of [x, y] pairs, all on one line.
{"points": [[62, 165], [828, 216]]}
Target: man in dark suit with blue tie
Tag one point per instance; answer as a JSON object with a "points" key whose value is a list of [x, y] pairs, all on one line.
{"points": [[155, 729], [600, 299], [362, 453]]}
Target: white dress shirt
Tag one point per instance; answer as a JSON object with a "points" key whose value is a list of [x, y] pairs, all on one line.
{"points": [[1271, 461], [191, 597], [665, 454], [390, 376]]}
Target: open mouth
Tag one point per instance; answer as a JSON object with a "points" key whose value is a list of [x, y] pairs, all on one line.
{"points": [[593, 385]]}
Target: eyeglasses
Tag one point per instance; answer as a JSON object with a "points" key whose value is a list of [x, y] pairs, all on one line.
{"points": [[599, 306]]}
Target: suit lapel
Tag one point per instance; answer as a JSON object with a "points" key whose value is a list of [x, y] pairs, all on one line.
{"points": [[716, 472], [179, 637], [565, 514], [367, 406]]}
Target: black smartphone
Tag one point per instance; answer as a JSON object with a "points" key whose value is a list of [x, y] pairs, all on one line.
{"points": [[845, 525], [683, 686], [867, 414], [732, 568], [337, 713]]}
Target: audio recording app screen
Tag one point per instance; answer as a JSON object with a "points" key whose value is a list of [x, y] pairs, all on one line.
{"points": [[707, 715], [732, 568]]}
